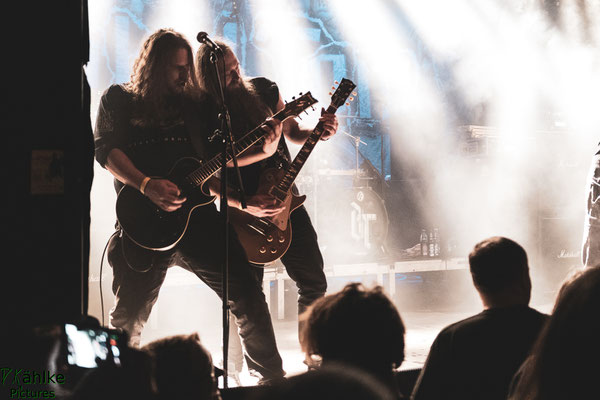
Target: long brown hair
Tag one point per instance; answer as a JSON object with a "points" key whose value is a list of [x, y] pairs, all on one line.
{"points": [[205, 74], [245, 105], [148, 80]]}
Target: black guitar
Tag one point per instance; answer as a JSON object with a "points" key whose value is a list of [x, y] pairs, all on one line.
{"points": [[149, 226]]}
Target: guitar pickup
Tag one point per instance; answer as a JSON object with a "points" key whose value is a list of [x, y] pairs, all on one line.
{"points": [[278, 193], [257, 229]]}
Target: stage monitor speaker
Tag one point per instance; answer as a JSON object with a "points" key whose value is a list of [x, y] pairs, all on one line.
{"points": [[559, 248]]}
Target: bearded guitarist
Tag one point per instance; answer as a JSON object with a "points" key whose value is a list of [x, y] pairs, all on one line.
{"points": [[250, 100]]}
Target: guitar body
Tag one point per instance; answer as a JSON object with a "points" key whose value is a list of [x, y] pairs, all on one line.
{"points": [[266, 239], [147, 224]]}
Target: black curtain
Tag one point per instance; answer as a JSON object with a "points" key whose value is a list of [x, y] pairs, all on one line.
{"points": [[49, 163]]}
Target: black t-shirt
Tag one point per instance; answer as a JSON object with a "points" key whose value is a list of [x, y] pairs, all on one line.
{"points": [[268, 92], [152, 147], [476, 358]]}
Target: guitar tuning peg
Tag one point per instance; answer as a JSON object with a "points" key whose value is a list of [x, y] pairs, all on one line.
{"points": [[333, 87], [347, 104], [351, 98], [336, 82], [353, 93], [330, 93], [299, 117], [312, 108], [293, 97], [300, 94]]}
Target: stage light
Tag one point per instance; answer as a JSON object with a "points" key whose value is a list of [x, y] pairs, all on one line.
{"points": [[285, 48]]}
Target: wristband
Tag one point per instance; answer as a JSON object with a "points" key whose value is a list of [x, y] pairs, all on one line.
{"points": [[144, 184]]}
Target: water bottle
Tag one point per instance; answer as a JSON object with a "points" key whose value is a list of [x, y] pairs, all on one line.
{"points": [[436, 242], [424, 243], [431, 245]]}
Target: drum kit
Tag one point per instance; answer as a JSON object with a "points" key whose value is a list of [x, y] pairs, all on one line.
{"points": [[350, 218]]}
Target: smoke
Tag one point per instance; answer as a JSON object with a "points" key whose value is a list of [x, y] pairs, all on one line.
{"points": [[490, 107]]}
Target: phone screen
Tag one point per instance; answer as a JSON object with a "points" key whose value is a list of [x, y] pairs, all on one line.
{"points": [[84, 345]]}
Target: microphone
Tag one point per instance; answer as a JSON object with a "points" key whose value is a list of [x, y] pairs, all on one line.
{"points": [[203, 38]]}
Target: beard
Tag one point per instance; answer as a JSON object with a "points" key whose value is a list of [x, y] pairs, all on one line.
{"points": [[246, 108], [177, 88]]}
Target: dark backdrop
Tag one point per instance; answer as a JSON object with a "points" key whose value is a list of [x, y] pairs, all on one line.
{"points": [[48, 160]]}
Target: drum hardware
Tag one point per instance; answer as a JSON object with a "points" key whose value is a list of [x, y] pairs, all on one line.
{"points": [[351, 222], [356, 141], [355, 224]]}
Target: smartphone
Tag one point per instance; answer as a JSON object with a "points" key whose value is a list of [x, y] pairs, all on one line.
{"points": [[85, 345]]}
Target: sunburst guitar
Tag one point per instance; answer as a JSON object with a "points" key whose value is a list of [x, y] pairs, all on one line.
{"points": [[266, 239]]}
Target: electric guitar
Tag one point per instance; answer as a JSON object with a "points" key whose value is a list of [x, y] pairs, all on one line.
{"points": [[151, 227], [267, 239]]}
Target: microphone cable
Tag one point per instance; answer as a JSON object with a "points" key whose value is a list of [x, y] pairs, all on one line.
{"points": [[100, 277]]}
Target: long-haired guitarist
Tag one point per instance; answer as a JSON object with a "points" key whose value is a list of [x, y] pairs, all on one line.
{"points": [[143, 127], [249, 101]]}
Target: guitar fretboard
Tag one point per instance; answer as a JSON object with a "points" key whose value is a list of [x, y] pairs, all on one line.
{"points": [[208, 169], [211, 167], [288, 179]]}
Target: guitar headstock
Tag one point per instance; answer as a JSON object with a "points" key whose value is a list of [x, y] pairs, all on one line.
{"points": [[342, 93], [296, 106]]}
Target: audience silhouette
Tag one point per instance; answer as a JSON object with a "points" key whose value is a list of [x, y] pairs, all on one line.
{"points": [[356, 327], [354, 342], [184, 368], [331, 381], [132, 380], [564, 361], [476, 358]]}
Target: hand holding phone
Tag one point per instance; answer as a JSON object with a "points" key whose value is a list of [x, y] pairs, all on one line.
{"points": [[86, 346]]}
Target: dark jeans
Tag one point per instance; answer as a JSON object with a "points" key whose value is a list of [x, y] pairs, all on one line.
{"points": [[303, 260], [304, 264], [201, 252]]}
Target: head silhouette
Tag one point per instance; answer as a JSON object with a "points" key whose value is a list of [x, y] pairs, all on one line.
{"points": [[355, 326], [563, 362], [184, 368], [500, 272]]}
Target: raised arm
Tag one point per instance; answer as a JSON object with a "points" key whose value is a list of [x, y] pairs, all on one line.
{"points": [[298, 135], [273, 129]]}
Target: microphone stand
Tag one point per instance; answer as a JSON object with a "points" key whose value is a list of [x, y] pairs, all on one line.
{"points": [[356, 140], [228, 145]]}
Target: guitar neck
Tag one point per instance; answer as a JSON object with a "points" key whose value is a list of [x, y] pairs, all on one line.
{"points": [[290, 176], [208, 169]]}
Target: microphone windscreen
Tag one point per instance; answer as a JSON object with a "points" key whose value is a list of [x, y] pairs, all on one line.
{"points": [[201, 37]]}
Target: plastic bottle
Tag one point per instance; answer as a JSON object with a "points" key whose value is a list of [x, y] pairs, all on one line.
{"points": [[431, 245], [424, 243]]}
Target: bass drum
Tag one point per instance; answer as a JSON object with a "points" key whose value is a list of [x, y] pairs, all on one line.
{"points": [[353, 223]]}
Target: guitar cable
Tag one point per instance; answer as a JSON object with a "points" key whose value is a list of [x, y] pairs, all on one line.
{"points": [[100, 278]]}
